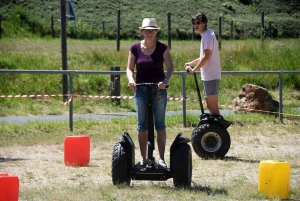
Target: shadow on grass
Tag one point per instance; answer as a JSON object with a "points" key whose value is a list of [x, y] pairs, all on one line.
{"points": [[195, 188], [3, 160], [232, 158], [208, 190]]}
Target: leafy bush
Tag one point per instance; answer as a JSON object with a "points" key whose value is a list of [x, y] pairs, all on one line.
{"points": [[228, 5], [18, 22], [296, 15], [253, 8]]}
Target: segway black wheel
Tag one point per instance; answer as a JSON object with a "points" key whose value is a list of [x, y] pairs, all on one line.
{"points": [[120, 167], [210, 140], [182, 166]]}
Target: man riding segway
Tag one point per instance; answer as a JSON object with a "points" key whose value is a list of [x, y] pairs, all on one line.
{"points": [[208, 143]]}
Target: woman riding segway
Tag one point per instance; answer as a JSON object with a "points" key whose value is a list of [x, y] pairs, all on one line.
{"points": [[150, 95], [149, 57]]}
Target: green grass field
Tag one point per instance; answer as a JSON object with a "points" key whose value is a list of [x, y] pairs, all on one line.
{"points": [[34, 151], [100, 55]]}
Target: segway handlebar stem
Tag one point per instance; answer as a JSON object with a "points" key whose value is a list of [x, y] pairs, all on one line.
{"points": [[199, 95]]}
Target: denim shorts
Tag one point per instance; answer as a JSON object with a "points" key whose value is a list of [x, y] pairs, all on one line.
{"points": [[211, 88], [159, 108]]}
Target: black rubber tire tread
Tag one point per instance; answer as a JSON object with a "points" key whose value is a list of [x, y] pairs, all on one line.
{"points": [[200, 131], [120, 166], [182, 166]]}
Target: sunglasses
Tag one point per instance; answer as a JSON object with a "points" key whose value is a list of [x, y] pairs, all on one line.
{"points": [[149, 30], [196, 22]]}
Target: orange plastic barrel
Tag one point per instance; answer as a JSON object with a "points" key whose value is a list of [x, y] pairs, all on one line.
{"points": [[9, 187], [274, 179], [77, 150]]}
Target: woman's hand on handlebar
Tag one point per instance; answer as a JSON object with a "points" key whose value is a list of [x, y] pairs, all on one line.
{"points": [[132, 85]]}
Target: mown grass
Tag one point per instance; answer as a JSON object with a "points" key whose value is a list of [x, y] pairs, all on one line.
{"points": [[99, 55]]}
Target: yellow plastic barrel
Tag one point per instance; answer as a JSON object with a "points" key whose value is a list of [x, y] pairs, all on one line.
{"points": [[274, 179]]}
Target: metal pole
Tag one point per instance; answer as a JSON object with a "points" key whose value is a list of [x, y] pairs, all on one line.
{"points": [[103, 29], [280, 98], [183, 76], [71, 103], [115, 85], [118, 30], [0, 27], [220, 32], [231, 30], [169, 30], [52, 27], [262, 26], [270, 29], [63, 33]]}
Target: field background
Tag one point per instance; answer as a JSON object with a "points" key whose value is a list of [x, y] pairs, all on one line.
{"points": [[34, 16], [34, 151]]}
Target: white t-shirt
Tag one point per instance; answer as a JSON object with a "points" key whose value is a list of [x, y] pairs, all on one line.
{"points": [[212, 70]]}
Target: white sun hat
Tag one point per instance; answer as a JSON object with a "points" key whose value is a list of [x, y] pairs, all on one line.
{"points": [[149, 23]]}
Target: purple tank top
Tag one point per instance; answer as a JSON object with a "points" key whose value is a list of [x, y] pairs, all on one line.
{"points": [[149, 68]]}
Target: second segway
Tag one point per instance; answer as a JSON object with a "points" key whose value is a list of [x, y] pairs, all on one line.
{"points": [[210, 139]]}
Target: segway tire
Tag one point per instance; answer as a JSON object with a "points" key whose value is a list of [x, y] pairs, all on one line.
{"points": [[182, 166], [210, 140], [120, 167]]}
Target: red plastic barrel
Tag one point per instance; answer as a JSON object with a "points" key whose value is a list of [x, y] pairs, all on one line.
{"points": [[77, 150], [9, 187]]}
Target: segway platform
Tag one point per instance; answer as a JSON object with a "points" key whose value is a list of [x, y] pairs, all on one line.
{"points": [[151, 172], [207, 118]]}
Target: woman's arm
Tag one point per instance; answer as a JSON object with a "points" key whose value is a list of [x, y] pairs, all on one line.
{"points": [[170, 67], [200, 63], [130, 70]]}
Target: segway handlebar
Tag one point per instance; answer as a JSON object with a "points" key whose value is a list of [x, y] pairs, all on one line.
{"points": [[148, 84]]}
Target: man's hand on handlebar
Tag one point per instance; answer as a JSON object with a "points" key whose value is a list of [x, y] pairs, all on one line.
{"points": [[188, 68]]}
